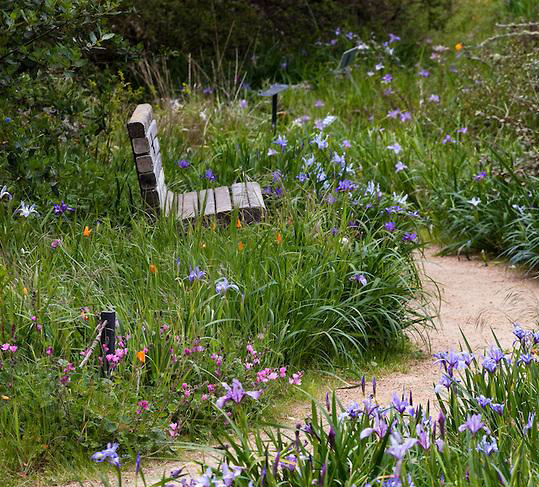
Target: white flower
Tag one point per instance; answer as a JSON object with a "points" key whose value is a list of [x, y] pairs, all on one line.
{"points": [[26, 210], [474, 201], [400, 200], [5, 192]]}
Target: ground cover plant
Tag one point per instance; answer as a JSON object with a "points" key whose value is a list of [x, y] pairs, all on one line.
{"points": [[484, 432], [362, 165]]}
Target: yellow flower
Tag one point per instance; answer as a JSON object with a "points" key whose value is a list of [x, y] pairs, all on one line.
{"points": [[87, 231], [459, 46], [141, 356], [238, 223], [213, 225], [153, 268], [5, 398], [25, 291]]}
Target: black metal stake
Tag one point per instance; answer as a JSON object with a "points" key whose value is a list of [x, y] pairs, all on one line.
{"points": [[108, 338], [274, 113]]}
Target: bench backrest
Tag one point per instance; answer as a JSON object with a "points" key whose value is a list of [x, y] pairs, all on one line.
{"points": [[142, 130]]}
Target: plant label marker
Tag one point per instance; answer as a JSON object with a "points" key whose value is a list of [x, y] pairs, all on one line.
{"points": [[347, 58], [273, 91], [108, 338]]}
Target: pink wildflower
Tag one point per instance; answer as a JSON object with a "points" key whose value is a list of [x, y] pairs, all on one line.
{"points": [[143, 406]]}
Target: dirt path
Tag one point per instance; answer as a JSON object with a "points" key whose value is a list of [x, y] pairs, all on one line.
{"points": [[474, 297]]}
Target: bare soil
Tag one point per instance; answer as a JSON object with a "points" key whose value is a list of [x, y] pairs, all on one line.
{"points": [[477, 300]]}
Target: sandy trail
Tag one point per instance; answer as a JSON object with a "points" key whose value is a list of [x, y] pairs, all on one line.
{"points": [[476, 298]]}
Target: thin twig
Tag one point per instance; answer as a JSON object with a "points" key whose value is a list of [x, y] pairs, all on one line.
{"points": [[89, 352], [509, 34], [512, 26]]}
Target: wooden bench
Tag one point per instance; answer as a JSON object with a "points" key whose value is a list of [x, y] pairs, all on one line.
{"points": [[220, 202]]}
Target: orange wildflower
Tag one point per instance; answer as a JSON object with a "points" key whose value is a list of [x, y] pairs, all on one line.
{"points": [[141, 356], [5, 398], [153, 268], [279, 238], [87, 231], [459, 46], [213, 225], [241, 245], [238, 223], [25, 291]]}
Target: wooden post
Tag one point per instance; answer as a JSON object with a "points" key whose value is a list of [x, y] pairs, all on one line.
{"points": [[274, 113], [108, 338]]}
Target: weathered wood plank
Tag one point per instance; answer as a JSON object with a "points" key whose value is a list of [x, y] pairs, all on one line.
{"points": [[256, 202], [151, 133], [140, 121], [254, 193], [239, 195], [141, 146], [206, 202], [173, 204], [223, 204], [151, 179], [151, 198], [189, 205], [148, 163]]}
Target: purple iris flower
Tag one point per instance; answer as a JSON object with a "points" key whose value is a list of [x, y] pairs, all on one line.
{"points": [[400, 405], [497, 408], [196, 274], [331, 199], [400, 166], [434, 98], [480, 176], [352, 412], [484, 401], [405, 116], [390, 226], [422, 436], [359, 278], [520, 333], [369, 405], [222, 286], [61, 208], [302, 177], [486, 447], [210, 175], [473, 424], [526, 358], [277, 176], [410, 237], [490, 364], [380, 428], [393, 38], [346, 185], [183, 163], [529, 425], [388, 78], [394, 113], [399, 447], [448, 139], [497, 354], [396, 148], [235, 393], [109, 454], [424, 73], [281, 141]]}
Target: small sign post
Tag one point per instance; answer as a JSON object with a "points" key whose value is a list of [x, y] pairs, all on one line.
{"points": [[347, 58], [273, 91], [108, 338]]}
